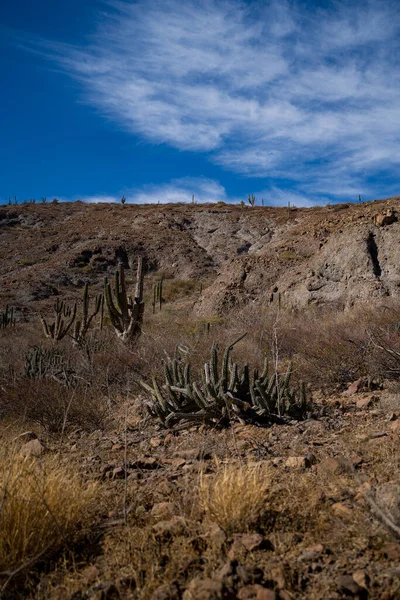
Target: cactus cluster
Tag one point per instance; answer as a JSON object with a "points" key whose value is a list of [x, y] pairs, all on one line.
{"points": [[41, 363], [126, 313], [226, 391], [7, 318]]}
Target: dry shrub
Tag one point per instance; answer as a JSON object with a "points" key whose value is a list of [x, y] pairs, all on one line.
{"points": [[52, 405], [236, 497], [41, 506]]}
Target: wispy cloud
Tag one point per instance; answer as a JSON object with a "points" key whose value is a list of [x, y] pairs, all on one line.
{"points": [[277, 89]]}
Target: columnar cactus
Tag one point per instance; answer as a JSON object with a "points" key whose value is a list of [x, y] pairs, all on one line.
{"points": [[64, 318], [157, 294], [126, 313], [7, 318], [82, 324]]}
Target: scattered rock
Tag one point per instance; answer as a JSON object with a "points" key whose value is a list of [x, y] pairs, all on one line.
{"points": [[167, 592], [163, 510], [391, 550], [355, 387], [361, 578], [349, 587], [172, 527], [203, 589], [395, 426], [298, 462], [252, 541], [332, 466], [342, 510], [90, 575], [118, 473], [33, 448], [155, 442], [256, 592], [388, 498], [146, 463], [366, 402]]}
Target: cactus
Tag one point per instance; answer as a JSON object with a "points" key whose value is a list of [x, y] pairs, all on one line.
{"points": [[7, 318], [63, 320], [126, 314], [82, 325], [225, 391], [157, 294], [41, 363], [251, 199]]}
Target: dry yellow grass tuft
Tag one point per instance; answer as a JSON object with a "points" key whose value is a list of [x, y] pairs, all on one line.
{"points": [[236, 497], [41, 505]]}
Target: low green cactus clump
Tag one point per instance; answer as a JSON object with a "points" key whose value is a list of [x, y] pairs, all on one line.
{"points": [[226, 391]]}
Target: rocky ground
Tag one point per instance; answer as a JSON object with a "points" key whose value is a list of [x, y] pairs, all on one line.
{"points": [[321, 536]]}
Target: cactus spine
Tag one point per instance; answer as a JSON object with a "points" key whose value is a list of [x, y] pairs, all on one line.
{"points": [[126, 313]]}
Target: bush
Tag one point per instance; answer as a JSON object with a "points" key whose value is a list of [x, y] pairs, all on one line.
{"points": [[236, 497], [41, 506]]}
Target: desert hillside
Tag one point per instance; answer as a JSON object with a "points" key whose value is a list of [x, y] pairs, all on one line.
{"points": [[220, 421], [339, 254]]}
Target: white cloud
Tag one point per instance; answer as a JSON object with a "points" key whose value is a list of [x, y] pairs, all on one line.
{"points": [[270, 89]]}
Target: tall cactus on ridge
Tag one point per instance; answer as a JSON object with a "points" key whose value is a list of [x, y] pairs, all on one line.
{"points": [[126, 313]]}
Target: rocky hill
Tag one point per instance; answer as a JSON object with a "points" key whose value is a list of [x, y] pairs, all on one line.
{"points": [[337, 254]]}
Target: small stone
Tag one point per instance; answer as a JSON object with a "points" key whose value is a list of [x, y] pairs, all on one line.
{"points": [[318, 548], [166, 592], [361, 578], [387, 497], [252, 541], [90, 575], [256, 592], [155, 442], [395, 426], [32, 448], [173, 527], [203, 589], [350, 587], [366, 401], [248, 575], [163, 510], [391, 550], [146, 463], [298, 462], [332, 466], [118, 473], [354, 387], [342, 510]]}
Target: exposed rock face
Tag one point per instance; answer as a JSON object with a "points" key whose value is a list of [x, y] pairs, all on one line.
{"points": [[354, 265]]}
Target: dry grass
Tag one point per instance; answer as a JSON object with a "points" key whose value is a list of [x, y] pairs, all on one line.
{"points": [[41, 506], [236, 497]]}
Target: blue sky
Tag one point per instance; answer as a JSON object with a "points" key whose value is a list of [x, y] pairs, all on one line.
{"points": [[162, 99]]}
